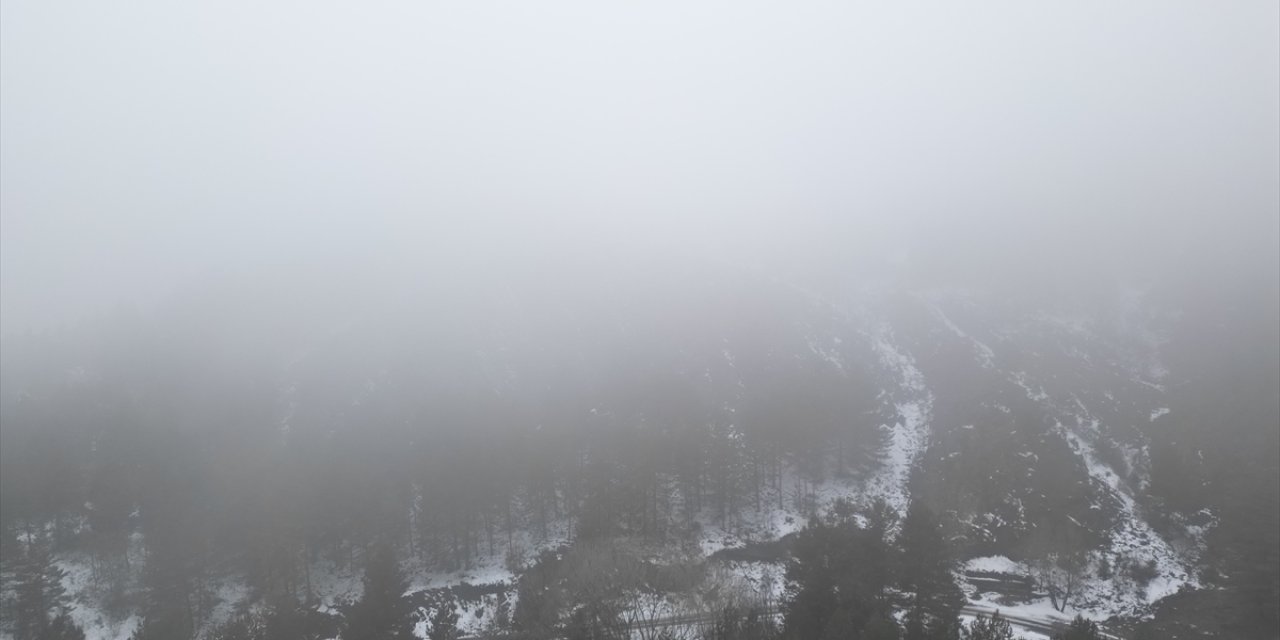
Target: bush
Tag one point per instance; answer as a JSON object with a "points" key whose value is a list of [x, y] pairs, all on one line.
{"points": [[1080, 629], [987, 628]]}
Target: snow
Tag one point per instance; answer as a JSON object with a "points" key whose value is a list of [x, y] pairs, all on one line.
{"points": [[766, 580], [85, 609], [1018, 633], [1038, 394], [907, 396], [995, 564], [232, 595], [986, 357], [1040, 611], [831, 356], [332, 584], [489, 571], [728, 357], [907, 439], [1131, 538], [908, 436], [112, 631], [475, 618]]}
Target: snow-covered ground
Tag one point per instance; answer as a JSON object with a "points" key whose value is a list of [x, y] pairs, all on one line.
{"points": [[909, 434], [906, 395], [1019, 632], [97, 625], [1039, 611], [1131, 540]]}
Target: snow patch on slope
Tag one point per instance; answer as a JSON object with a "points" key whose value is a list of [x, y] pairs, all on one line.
{"points": [[995, 564], [1132, 539], [909, 435], [84, 611], [830, 355], [986, 356]]}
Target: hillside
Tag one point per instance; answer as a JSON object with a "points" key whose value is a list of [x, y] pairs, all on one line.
{"points": [[247, 443]]}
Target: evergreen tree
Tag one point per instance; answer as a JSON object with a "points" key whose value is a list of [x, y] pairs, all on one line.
{"points": [[41, 599], [881, 627], [925, 572], [245, 627], [286, 619], [596, 620], [283, 619], [171, 587], [384, 612], [987, 628], [538, 600], [444, 624], [62, 627], [1080, 629], [161, 627], [838, 577], [811, 591]]}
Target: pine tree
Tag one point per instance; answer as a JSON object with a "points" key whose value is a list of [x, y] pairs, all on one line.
{"points": [[282, 619], [881, 627], [62, 627], [444, 624], [170, 611], [988, 628], [161, 627], [596, 620], [811, 592], [1080, 629], [285, 620], [926, 573], [384, 612], [41, 598], [838, 577]]}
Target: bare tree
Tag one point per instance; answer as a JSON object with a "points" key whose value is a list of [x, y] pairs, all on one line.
{"points": [[1058, 561]]}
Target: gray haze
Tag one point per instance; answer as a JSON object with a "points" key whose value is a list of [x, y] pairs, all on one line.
{"points": [[146, 144]]}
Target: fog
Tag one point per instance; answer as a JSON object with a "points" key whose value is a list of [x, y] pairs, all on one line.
{"points": [[688, 320], [151, 144]]}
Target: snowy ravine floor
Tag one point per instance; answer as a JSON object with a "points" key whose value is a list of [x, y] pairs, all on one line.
{"points": [[909, 435], [1132, 540], [908, 398]]}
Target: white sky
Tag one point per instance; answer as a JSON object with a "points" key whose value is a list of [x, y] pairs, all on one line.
{"points": [[147, 142]]}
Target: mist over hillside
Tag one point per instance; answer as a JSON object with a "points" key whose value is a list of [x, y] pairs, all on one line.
{"points": [[665, 321], [263, 436]]}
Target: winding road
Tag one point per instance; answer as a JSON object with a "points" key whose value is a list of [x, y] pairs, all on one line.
{"points": [[1038, 625]]}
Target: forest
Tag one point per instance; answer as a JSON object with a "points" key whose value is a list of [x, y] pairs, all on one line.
{"points": [[204, 483], [661, 320]]}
